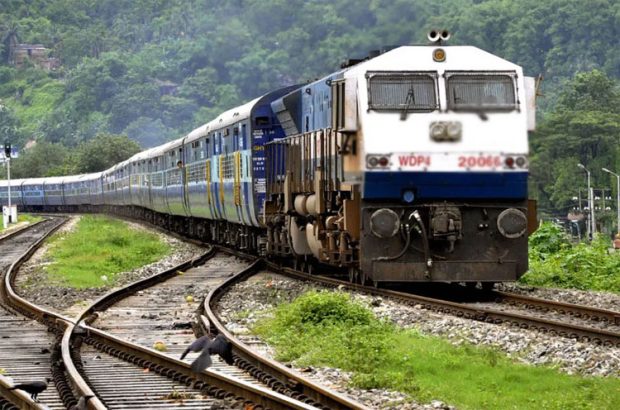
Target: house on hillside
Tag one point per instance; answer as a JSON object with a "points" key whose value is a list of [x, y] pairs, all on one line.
{"points": [[37, 54]]}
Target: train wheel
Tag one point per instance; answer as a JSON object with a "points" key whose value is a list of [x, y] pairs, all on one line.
{"points": [[487, 286], [354, 275]]}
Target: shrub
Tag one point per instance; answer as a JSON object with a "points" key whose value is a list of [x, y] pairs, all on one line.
{"points": [[555, 262]]}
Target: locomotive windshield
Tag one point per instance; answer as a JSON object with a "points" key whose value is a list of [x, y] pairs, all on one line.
{"points": [[402, 91], [481, 91]]}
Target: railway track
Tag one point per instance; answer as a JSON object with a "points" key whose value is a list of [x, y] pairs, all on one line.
{"points": [[28, 345], [128, 322], [119, 330], [580, 312], [579, 329], [116, 373], [582, 322]]}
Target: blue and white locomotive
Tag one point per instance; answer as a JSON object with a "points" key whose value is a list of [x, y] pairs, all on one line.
{"points": [[408, 166]]}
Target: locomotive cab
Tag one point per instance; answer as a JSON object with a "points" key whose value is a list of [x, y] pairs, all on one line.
{"points": [[444, 166]]}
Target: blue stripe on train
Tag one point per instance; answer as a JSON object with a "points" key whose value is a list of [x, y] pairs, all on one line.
{"points": [[446, 185]]}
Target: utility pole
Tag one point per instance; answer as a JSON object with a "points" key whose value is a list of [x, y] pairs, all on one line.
{"points": [[7, 154], [593, 230], [618, 196], [592, 223]]}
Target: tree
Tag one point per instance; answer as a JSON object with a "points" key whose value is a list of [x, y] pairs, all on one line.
{"points": [[103, 151], [9, 126], [583, 128], [44, 159], [148, 132]]}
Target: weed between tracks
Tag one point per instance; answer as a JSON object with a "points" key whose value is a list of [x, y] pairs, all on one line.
{"points": [[98, 249], [24, 218], [328, 329]]}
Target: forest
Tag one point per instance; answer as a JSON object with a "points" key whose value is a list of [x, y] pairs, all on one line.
{"points": [[127, 74]]}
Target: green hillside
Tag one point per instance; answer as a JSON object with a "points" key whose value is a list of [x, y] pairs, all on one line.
{"points": [[155, 69]]}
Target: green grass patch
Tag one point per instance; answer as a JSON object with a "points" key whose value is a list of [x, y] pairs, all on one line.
{"points": [[328, 329], [37, 102], [555, 262], [100, 247], [24, 218]]}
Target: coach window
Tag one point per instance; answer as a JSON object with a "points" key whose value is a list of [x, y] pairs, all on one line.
{"points": [[236, 136], [262, 121]]}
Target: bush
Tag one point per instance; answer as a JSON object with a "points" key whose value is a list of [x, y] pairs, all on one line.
{"points": [[555, 262], [548, 239]]}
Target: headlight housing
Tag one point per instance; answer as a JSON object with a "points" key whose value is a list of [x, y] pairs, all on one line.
{"points": [[512, 223], [384, 223]]}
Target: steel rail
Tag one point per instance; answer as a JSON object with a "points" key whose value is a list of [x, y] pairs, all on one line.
{"points": [[16, 399], [266, 369], [577, 311], [599, 336], [15, 303], [80, 385], [14, 232], [554, 327], [210, 382]]}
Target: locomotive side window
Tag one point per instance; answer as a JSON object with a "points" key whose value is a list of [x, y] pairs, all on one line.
{"points": [[402, 91], [481, 91]]}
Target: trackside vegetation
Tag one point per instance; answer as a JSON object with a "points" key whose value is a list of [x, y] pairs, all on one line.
{"points": [[92, 254], [555, 262], [24, 218], [329, 329]]}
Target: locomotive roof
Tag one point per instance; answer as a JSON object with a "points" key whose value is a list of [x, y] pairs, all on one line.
{"points": [[420, 58]]}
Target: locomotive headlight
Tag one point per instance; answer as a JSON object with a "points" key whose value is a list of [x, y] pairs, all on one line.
{"points": [[512, 223], [513, 161], [438, 130], [454, 130], [384, 223], [445, 131], [378, 161], [521, 162]]}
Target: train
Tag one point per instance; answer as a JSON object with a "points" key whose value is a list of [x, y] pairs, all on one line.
{"points": [[409, 165]]}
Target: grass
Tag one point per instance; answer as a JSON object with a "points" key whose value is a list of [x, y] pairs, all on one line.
{"points": [[98, 249], [39, 97], [328, 329], [24, 218]]}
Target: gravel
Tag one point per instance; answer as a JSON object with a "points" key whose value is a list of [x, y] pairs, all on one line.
{"points": [[33, 284], [600, 300], [247, 301]]}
